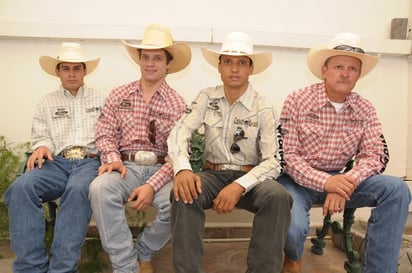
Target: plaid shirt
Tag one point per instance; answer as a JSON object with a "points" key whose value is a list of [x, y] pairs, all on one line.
{"points": [[317, 139], [252, 113], [61, 120], [124, 125]]}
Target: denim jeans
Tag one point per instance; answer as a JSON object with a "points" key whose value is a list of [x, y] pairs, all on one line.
{"points": [[64, 178], [108, 196], [271, 205], [390, 198]]}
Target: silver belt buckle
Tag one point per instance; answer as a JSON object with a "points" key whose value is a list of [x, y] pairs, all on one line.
{"points": [[145, 158], [229, 167], [75, 152]]}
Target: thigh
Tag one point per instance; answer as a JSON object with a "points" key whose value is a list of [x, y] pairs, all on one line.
{"points": [[162, 196], [261, 194], [112, 186], [212, 183], [84, 173], [371, 190], [302, 197], [48, 183]]}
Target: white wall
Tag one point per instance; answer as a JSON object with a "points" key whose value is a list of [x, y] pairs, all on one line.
{"points": [[29, 29]]}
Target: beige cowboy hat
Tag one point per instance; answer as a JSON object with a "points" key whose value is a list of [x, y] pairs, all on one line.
{"points": [[69, 53], [160, 37], [239, 44], [344, 44]]}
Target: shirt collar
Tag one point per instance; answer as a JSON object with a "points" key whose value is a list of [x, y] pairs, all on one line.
{"points": [[162, 90], [67, 93], [324, 99], [246, 99]]}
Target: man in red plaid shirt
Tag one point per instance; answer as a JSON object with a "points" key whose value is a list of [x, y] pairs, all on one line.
{"points": [[324, 126], [131, 135]]}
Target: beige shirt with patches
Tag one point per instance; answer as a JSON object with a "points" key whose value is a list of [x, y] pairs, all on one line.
{"points": [[252, 113]]}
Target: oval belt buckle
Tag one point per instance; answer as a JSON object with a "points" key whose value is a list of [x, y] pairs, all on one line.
{"points": [[75, 152], [145, 158]]}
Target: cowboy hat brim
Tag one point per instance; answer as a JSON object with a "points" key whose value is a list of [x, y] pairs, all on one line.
{"points": [[317, 56], [181, 53], [48, 64], [261, 60]]}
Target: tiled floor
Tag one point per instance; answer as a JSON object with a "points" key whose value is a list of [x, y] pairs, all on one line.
{"points": [[230, 256]]}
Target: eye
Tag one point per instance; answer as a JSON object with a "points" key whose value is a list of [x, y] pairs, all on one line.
{"points": [[243, 63], [227, 61], [353, 69]]}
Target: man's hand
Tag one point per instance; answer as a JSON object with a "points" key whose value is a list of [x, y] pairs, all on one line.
{"points": [[37, 157], [186, 186], [144, 195], [227, 198], [334, 202], [342, 184], [114, 166]]}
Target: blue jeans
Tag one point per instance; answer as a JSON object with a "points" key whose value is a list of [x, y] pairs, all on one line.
{"points": [[271, 205], [390, 198], [64, 178], [108, 196]]}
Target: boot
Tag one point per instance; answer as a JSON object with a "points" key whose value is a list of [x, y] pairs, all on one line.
{"points": [[290, 266], [145, 267]]}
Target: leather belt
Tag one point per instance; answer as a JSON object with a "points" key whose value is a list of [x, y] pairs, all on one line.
{"points": [[131, 157], [227, 167]]}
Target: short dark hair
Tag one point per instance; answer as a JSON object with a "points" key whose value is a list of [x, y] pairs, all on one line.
{"points": [[250, 59], [58, 65], [169, 57]]}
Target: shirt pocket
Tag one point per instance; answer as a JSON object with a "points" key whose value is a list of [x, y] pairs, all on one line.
{"points": [[213, 128], [350, 141], [311, 136]]}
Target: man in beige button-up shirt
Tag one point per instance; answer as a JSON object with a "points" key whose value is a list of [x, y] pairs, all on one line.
{"points": [[241, 152]]}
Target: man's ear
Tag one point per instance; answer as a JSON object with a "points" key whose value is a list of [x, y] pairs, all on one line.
{"points": [[251, 69]]}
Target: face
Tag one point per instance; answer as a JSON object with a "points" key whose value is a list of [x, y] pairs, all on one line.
{"points": [[153, 65], [341, 74], [71, 76], [235, 70]]}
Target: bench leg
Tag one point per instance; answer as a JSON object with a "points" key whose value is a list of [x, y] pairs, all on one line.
{"points": [[318, 243], [352, 265]]}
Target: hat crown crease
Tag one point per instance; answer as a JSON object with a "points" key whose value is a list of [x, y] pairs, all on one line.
{"points": [[157, 37]]}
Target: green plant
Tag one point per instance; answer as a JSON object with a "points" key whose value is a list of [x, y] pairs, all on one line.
{"points": [[11, 156]]}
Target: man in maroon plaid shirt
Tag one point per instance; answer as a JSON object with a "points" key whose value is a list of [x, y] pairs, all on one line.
{"points": [[131, 135]]}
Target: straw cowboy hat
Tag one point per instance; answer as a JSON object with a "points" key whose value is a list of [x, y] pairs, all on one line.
{"points": [[69, 53], [160, 37], [239, 44], [344, 44]]}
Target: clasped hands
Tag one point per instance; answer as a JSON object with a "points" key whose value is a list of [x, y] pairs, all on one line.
{"points": [[339, 188]]}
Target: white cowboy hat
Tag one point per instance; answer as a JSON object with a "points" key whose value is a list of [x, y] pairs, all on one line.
{"points": [[239, 44], [160, 37], [69, 53], [344, 44]]}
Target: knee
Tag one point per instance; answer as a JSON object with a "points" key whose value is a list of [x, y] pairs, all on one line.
{"points": [[280, 195], [96, 188], [401, 189], [16, 190]]}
